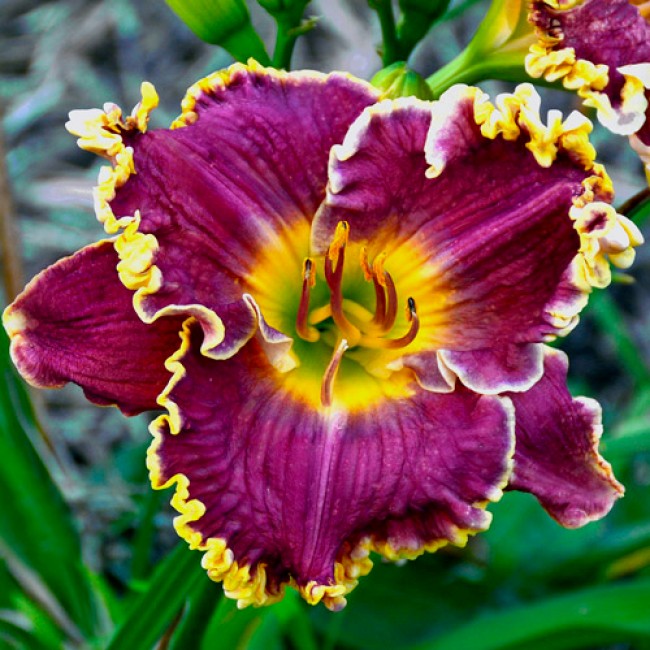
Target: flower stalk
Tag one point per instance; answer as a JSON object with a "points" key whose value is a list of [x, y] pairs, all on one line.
{"points": [[497, 50]]}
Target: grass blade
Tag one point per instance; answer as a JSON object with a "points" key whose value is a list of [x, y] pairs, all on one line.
{"points": [[154, 610], [37, 531], [600, 615]]}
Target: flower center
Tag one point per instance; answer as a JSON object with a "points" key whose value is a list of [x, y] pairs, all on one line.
{"points": [[348, 322], [351, 312]]}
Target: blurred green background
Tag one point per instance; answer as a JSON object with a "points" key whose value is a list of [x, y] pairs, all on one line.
{"points": [[88, 556]]}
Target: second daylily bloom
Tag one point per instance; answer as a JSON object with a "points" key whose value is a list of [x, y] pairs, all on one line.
{"points": [[363, 291], [601, 49]]}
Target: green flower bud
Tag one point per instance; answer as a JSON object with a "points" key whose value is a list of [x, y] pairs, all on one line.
{"points": [[222, 22], [398, 80]]}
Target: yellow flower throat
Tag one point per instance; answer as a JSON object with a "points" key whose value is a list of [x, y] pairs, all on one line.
{"points": [[341, 345]]}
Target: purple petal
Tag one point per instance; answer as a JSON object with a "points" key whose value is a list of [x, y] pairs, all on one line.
{"points": [[492, 371], [601, 48], [556, 455], [277, 491], [75, 322]]}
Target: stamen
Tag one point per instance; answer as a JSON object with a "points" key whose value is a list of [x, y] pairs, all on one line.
{"points": [[304, 331], [373, 275], [320, 314], [327, 386], [391, 308], [385, 295], [380, 303], [402, 341], [334, 277], [378, 269]]}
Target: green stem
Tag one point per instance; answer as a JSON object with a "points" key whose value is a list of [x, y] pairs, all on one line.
{"points": [[246, 43], [284, 44], [451, 73], [636, 204], [391, 50], [469, 68], [290, 26], [13, 266]]}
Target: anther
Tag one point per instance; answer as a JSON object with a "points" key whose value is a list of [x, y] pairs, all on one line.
{"points": [[327, 385], [365, 265], [339, 240], [308, 281]]}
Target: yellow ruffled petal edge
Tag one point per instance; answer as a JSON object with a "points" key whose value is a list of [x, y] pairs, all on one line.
{"points": [[589, 79], [248, 585], [605, 235], [100, 131]]}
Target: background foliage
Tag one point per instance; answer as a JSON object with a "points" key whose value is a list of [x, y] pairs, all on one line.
{"points": [[88, 557]]}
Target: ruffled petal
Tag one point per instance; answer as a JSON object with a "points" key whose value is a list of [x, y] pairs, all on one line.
{"points": [[496, 259], [75, 322], [493, 371], [278, 492], [556, 456], [244, 165], [601, 49]]}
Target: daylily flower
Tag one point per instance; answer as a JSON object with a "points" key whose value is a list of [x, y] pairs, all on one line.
{"points": [[601, 49], [363, 291]]}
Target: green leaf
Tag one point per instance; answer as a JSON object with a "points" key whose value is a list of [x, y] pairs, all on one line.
{"points": [[637, 208], [37, 534], [201, 605], [582, 619], [233, 628], [154, 611], [144, 535], [612, 323], [17, 636], [222, 22], [264, 628]]}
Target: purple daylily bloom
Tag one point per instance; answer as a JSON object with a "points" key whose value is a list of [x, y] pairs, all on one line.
{"points": [[363, 290], [601, 49]]}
